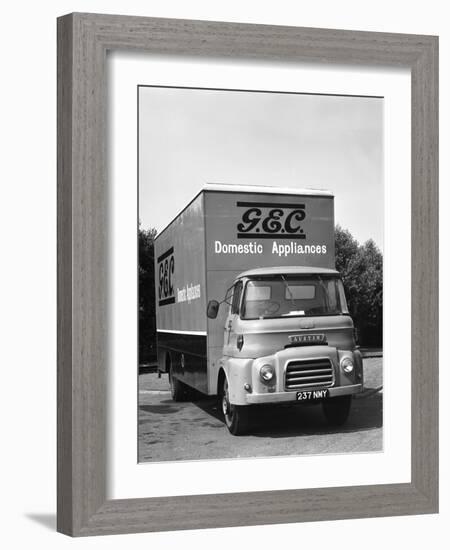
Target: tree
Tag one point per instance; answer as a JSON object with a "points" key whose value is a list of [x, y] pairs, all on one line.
{"points": [[361, 269], [147, 314]]}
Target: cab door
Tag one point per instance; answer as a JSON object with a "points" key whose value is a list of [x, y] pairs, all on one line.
{"points": [[229, 337]]}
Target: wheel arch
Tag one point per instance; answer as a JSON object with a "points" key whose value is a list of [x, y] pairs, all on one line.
{"points": [[220, 378]]}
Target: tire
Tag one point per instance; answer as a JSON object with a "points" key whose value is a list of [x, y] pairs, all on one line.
{"points": [[337, 409], [177, 388], [236, 417]]}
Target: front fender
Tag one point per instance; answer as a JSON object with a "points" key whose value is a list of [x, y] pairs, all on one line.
{"points": [[238, 373]]}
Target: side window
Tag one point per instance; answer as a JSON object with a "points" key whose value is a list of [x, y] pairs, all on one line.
{"points": [[236, 298]]}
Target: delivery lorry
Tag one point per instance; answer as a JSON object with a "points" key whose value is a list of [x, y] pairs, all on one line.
{"points": [[249, 306]]}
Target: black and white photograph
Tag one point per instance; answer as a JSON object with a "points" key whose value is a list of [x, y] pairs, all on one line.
{"points": [[260, 273], [221, 299]]}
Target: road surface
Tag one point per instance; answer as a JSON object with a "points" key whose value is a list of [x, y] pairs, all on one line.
{"points": [[195, 431]]}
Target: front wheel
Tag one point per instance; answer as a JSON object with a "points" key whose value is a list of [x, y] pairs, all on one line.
{"points": [[337, 409], [236, 416]]}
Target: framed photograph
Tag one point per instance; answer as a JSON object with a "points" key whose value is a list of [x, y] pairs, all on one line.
{"points": [[247, 274]]}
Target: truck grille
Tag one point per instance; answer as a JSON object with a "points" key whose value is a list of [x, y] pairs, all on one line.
{"points": [[309, 372]]}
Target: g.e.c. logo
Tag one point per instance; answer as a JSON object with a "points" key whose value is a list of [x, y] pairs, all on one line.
{"points": [[261, 220], [166, 270]]}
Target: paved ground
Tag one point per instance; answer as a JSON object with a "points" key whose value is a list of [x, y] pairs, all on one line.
{"points": [[194, 430]]}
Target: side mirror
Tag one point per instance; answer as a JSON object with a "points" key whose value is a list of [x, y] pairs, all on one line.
{"points": [[212, 309]]}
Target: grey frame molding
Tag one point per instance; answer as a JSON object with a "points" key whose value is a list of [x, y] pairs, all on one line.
{"points": [[83, 40]]}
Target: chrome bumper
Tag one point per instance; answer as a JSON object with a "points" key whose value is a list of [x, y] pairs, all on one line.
{"points": [[283, 397]]}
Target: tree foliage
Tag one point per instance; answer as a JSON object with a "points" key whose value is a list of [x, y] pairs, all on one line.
{"points": [[361, 268], [147, 314]]}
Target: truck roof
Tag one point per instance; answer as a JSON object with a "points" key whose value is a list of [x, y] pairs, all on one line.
{"points": [[235, 188], [288, 270]]}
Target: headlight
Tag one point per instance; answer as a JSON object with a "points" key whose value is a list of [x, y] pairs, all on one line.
{"points": [[347, 365], [267, 373]]}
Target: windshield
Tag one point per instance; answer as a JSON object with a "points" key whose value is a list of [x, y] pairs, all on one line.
{"points": [[293, 296]]}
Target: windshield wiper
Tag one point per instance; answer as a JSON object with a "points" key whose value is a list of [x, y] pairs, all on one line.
{"points": [[288, 288]]}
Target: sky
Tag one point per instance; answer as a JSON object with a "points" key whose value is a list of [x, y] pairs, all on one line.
{"points": [[189, 137]]}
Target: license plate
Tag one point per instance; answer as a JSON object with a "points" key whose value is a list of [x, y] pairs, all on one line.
{"points": [[311, 395]]}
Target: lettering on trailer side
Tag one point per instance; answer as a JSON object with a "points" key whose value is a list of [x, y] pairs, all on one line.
{"points": [[166, 271]]}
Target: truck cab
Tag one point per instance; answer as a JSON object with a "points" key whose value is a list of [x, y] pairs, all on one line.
{"points": [[288, 337]]}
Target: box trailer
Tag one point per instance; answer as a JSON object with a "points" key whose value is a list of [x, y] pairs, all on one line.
{"points": [[249, 305]]}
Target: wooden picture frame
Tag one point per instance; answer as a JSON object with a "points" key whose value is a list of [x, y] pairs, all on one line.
{"points": [[83, 41]]}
